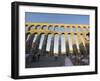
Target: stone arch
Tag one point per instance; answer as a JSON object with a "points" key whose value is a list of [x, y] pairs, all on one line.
{"points": [[62, 33], [68, 29], [63, 43], [32, 27], [80, 29], [56, 27], [35, 36], [85, 29], [50, 27], [56, 43], [74, 29], [42, 36], [27, 36], [44, 27], [29, 28], [48, 45], [62, 29], [26, 27], [29, 42], [43, 43], [38, 27]]}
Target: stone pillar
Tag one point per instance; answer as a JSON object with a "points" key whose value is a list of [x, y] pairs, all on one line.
{"points": [[81, 45], [36, 45], [59, 46], [67, 45], [52, 46], [28, 44], [73, 41], [85, 40]]}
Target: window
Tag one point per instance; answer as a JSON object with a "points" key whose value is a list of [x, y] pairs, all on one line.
{"points": [[44, 27], [41, 41], [59, 29], [62, 29], [68, 29], [38, 27], [63, 43], [56, 28], [28, 36], [79, 29], [32, 27], [73, 29], [56, 43], [26, 28], [51, 28], [35, 37], [48, 42], [70, 42], [86, 29]]}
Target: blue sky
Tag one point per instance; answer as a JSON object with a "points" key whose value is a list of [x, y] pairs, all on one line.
{"points": [[56, 18]]}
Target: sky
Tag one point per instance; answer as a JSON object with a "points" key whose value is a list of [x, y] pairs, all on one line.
{"points": [[56, 18]]}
